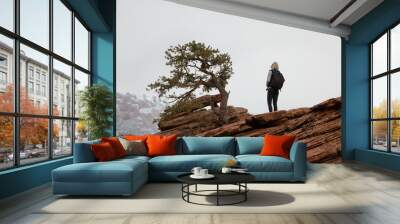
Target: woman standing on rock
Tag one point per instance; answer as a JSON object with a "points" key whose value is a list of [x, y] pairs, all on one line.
{"points": [[275, 82]]}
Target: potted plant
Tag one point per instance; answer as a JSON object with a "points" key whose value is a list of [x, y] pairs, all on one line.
{"points": [[96, 102]]}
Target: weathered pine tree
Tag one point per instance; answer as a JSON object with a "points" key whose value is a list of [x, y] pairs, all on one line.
{"points": [[195, 67]]}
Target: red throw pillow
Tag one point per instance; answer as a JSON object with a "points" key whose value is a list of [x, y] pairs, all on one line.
{"points": [[103, 152], [135, 137], [277, 145], [116, 145], [159, 145]]}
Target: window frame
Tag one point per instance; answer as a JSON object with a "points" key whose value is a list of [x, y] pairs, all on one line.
{"points": [[388, 74], [16, 114]]}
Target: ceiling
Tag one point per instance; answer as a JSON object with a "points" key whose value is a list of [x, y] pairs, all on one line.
{"points": [[320, 9], [326, 16]]}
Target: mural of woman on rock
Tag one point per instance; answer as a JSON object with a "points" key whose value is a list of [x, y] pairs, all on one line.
{"points": [[198, 69], [194, 80]]}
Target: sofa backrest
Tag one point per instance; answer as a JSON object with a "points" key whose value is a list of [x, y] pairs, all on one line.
{"points": [[83, 152], [249, 145], [206, 145], [190, 146]]}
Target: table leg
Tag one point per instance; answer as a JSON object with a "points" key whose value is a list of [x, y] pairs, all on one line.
{"points": [[188, 190], [245, 193], [217, 194], [195, 188]]}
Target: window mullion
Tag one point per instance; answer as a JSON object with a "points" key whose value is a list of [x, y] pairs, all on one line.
{"points": [[16, 70], [73, 81], [389, 100], [50, 81]]}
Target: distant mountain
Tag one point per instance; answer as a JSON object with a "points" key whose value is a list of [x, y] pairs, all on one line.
{"points": [[136, 114]]}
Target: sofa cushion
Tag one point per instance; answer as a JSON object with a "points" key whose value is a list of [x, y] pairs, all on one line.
{"points": [[134, 147], [277, 145], [207, 145], [112, 171], [161, 145], [257, 163], [103, 152], [249, 145], [116, 145], [185, 163]]}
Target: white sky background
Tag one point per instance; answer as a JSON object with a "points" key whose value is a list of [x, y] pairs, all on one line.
{"points": [[310, 61]]}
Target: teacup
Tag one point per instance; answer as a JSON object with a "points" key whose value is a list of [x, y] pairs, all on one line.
{"points": [[196, 171], [203, 172]]}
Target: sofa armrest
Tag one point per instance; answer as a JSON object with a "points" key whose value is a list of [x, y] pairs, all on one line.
{"points": [[298, 155], [83, 152]]}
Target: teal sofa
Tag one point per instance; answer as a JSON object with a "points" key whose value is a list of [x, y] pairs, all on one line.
{"points": [[125, 176]]}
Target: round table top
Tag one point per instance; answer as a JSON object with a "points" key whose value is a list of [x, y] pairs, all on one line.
{"points": [[220, 178]]}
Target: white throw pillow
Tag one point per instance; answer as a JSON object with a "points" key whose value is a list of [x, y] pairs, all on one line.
{"points": [[135, 147]]}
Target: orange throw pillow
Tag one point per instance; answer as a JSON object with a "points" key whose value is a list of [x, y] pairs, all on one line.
{"points": [[277, 145], [116, 145], [159, 145], [103, 152], [135, 137]]}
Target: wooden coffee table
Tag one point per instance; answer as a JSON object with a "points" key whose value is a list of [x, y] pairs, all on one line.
{"points": [[238, 179]]}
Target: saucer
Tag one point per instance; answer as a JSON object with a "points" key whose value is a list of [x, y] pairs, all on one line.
{"points": [[208, 176]]}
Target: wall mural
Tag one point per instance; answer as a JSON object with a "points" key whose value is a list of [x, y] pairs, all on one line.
{"points": [[198, 88], [197, 70]]}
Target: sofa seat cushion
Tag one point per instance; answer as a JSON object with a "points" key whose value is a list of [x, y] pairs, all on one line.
{"points": [[185, 163], [113, 171], [133, 157], [257, 163]]}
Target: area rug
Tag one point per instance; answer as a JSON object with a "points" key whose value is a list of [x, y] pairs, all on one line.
{"points": [[166, 198]]}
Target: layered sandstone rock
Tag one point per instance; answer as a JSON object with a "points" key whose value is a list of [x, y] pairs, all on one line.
{"points": [[318, 126]]}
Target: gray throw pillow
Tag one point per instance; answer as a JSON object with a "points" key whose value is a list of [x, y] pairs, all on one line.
{"points": [[137, 147]]}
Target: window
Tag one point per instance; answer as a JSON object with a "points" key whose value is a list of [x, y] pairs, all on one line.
{"points": [[385, 92], [30, 72], [81, 81], [6, 142], [3, 78], [45, 131], [44, 91], [3, 61], [30, 88], [7, 14], [37, 75], [6, 74], [81, 45], [62, 74], [62, 137], [62, 32], [34, 21]]}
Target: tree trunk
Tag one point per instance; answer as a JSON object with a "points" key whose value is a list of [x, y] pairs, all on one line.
{"points": [[223, 107]]}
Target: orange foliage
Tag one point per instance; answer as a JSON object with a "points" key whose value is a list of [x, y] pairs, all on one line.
{"points": [[33, 130]]}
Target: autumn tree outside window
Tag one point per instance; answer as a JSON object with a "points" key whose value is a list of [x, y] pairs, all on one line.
{"points": [[44, 64]]}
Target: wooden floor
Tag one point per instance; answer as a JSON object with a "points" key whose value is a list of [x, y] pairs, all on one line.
{"points": [[377, 188]]}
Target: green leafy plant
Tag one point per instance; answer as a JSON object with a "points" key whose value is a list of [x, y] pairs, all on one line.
{"points": [[96, 102]]}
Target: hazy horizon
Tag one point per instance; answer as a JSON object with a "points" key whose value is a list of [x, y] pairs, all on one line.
{"points": [[310, 61]]}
